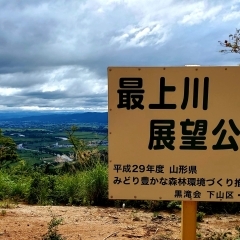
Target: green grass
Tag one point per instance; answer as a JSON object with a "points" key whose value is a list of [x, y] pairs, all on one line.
{"points": [[49, 159], [84, 187], [13, 187], [103, 147], [89, 135], [34, 157]]}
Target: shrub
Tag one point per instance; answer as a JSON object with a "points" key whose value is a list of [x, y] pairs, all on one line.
{"points": [[69, 189], [174, 205], [200, 216], [219, 207], [52, 233], [41, 189], [96, 184], [20, 189], [14, 187], [6, 186]]}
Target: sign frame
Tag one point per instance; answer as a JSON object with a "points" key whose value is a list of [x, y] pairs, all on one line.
{"points": [[155, 74]]}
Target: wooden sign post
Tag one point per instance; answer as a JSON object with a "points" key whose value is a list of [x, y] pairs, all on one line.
{"points": [[188, 220]]}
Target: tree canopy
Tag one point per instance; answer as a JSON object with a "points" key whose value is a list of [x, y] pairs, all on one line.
{"points": [[8, 150]]}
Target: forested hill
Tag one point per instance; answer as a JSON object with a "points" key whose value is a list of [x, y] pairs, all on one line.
{"points": [[87, 117]]}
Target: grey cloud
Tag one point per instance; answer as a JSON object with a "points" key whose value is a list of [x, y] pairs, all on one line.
{"points": [[46, 95], [63, 95], [66, 46], [54, 103], [22, 80], [54, 34]]}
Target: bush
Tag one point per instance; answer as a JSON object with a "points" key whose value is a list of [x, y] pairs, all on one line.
{"points": [[154, 205], [200, 216], [174, 205], [96, 184], [6, 186], [13, 187], [41, 189], [83, 187], [219, 207], [69, 189], [20, 189], [52, 233]]}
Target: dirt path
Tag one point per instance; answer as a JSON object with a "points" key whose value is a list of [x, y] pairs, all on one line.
{"points": [[84, 223]]}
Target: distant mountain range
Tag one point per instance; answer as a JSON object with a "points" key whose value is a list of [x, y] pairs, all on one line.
{"points": [[56, 117]]}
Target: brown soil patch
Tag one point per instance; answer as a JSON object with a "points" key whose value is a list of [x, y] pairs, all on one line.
{"points": [[84, 223]]}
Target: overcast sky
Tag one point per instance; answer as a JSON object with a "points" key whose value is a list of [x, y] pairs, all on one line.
{"points": [[54, 54]]}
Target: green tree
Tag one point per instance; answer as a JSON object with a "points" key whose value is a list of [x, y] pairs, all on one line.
{"points": [[8, 150], [233, 44]]}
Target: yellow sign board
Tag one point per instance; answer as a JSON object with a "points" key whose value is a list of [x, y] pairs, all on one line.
{"points": [[174, 133]]}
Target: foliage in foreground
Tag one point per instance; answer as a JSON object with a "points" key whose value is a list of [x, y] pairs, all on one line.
{"points": [[87, 187], [52, 233], [85, 182], [81, 188], [8, 150]]}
